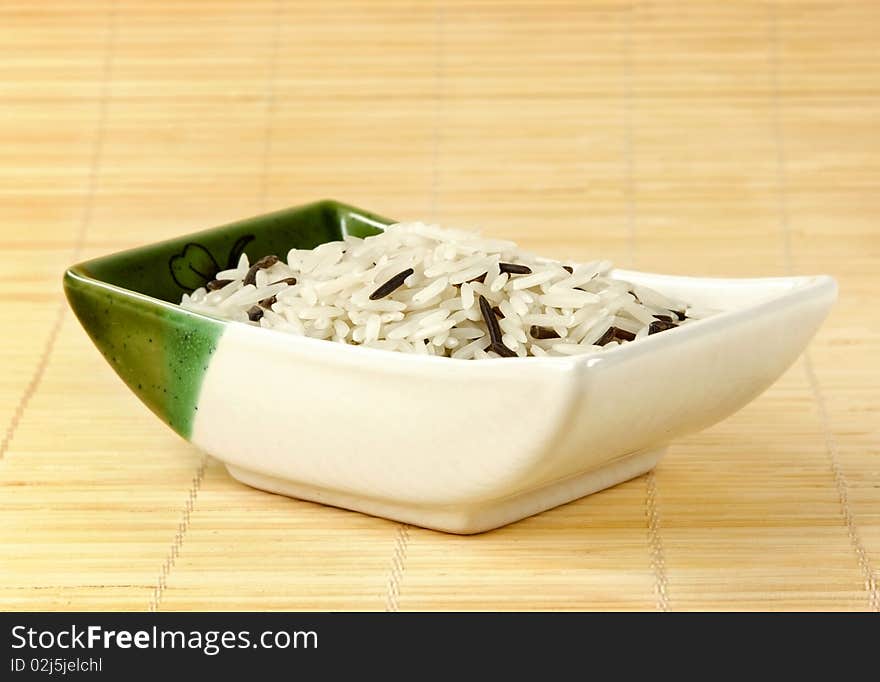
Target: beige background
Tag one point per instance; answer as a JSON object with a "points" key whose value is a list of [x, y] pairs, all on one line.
{"points": [[700, 138]]}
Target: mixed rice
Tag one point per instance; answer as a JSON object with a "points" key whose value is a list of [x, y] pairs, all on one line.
{"points": [[419, 288]]}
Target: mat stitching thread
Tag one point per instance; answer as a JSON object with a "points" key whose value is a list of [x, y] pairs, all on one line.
{"points": [[658, 559], [271, 88], [652, 507], [439, 104], [193, 493], [629, 144], [401, 540], [177, 544], [398, 566], [85, 220], [831, 450]]}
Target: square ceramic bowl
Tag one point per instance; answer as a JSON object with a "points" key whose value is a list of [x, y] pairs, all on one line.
{"points": [[456, 445]]}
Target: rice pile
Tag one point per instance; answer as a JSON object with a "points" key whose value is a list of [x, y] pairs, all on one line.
{"points": [[423, 289]]}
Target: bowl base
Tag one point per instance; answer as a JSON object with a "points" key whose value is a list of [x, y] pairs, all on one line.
{"points": [[463, 519]]}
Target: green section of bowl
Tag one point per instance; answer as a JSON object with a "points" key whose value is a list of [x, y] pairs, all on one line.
{"points": [[159, 350], [126, 301]]}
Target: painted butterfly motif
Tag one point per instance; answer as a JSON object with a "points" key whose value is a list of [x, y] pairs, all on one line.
{"points": [[195, 266]]}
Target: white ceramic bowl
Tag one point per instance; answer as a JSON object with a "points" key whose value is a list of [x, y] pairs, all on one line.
{"points": [[467, 446], [457, 445]]}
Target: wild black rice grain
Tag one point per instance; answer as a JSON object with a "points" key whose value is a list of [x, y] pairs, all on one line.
{"points": [[514, 269], [290, 281], [392, 284], [268, 302], [660, 326], [537, 332], [496, 344], [490, 320], [254, 313], [501, 349], [607, 337], [615, 334], [263, 263], [217, 284]]}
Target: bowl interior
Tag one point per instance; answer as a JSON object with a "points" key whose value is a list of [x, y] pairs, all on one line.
{"points": [[723, 294]]}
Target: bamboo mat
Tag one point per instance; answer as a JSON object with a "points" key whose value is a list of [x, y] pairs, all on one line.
{"points": [[730, 139]]}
